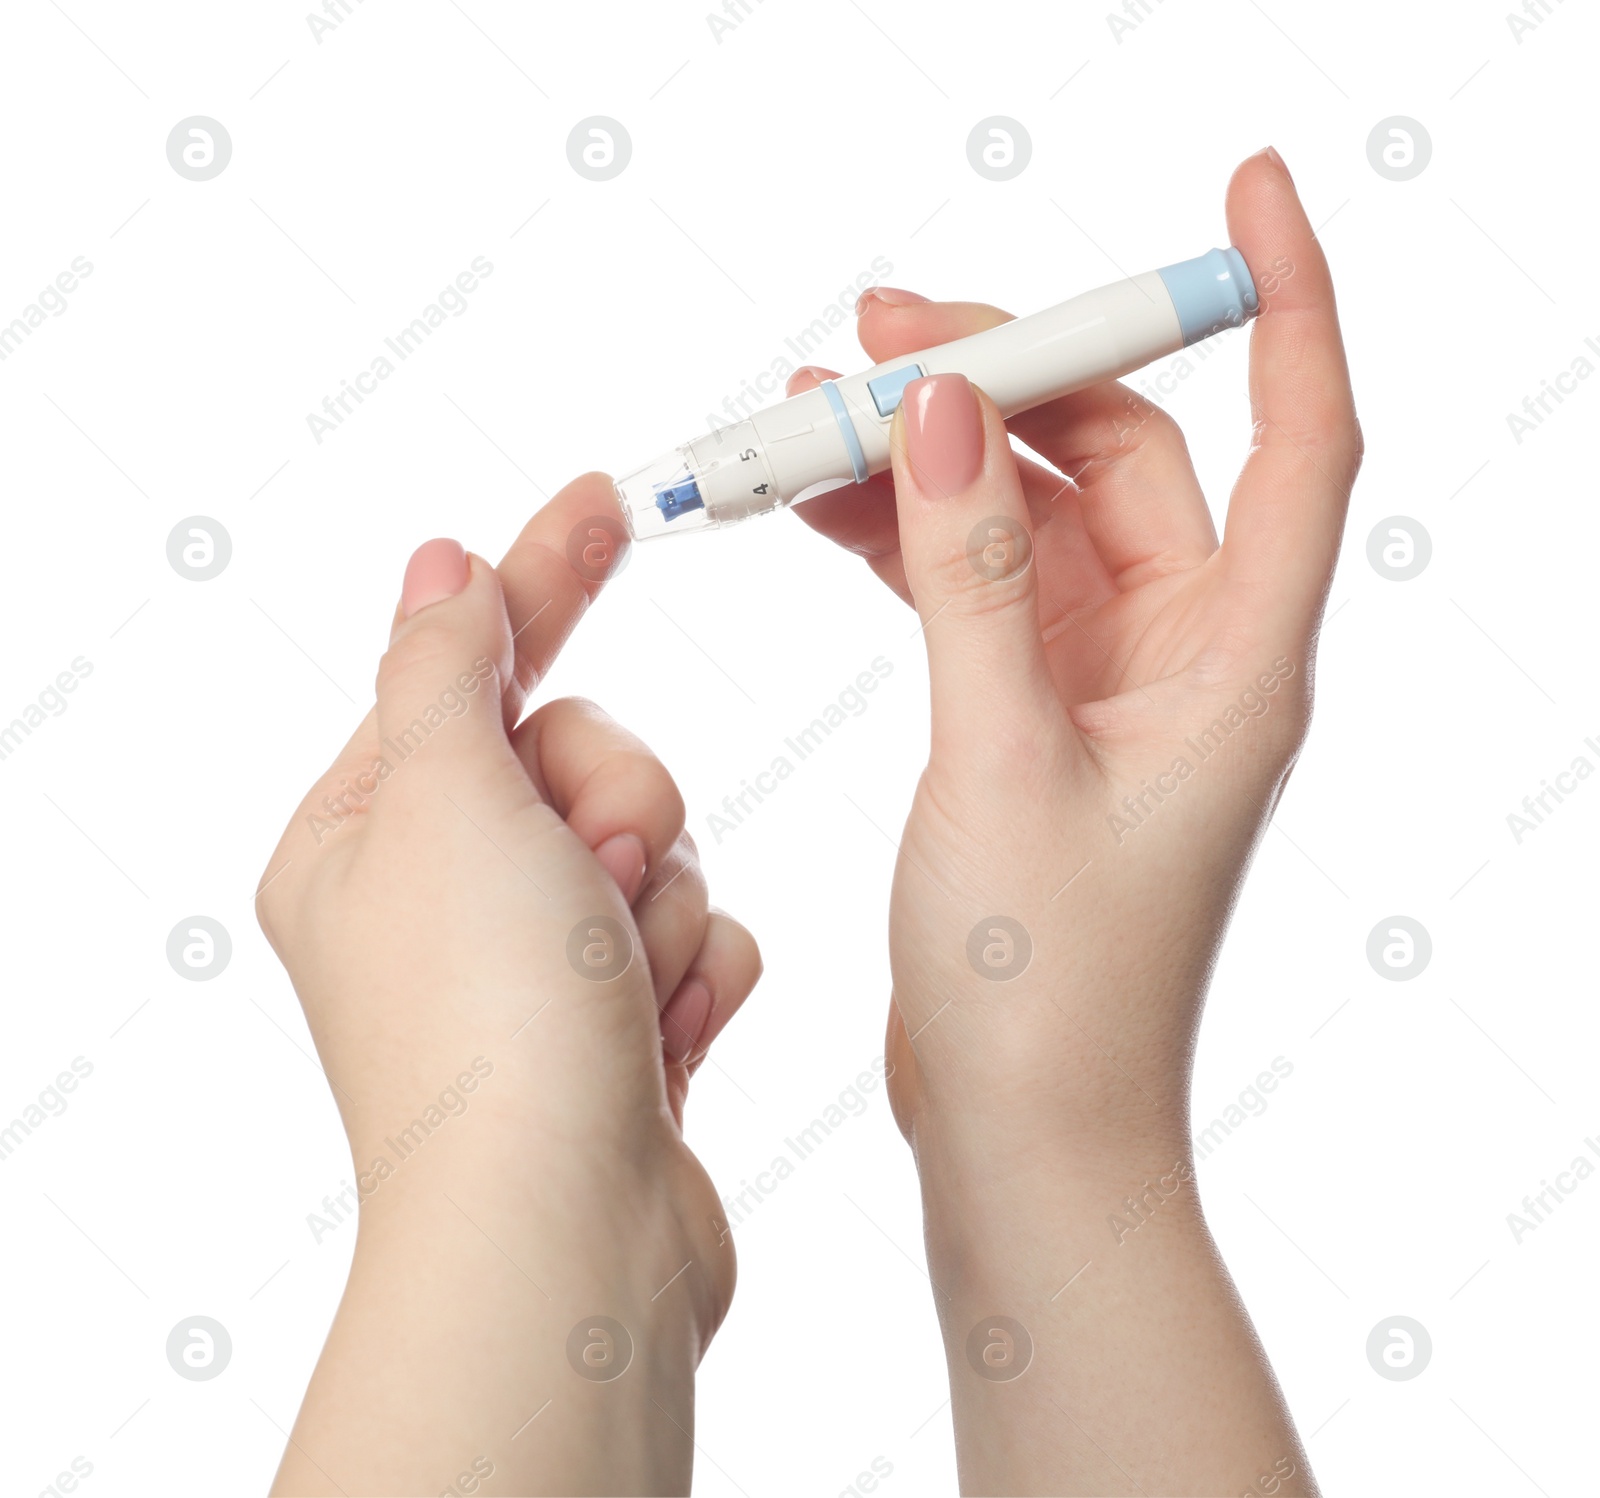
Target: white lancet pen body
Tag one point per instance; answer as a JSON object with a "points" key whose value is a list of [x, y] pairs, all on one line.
{"points": [[839, 432]]}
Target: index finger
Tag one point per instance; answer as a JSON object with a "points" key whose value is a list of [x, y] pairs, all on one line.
{"points": [[555, 568], [1286, 516]]}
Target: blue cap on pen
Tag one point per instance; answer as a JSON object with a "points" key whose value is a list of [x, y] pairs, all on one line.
{"points": [[1211, 292]]}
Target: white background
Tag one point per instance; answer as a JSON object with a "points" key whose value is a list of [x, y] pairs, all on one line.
{"points": [[768, 170]]}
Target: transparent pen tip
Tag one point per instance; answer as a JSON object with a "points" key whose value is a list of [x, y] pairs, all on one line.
{"points": [[663, 498]]}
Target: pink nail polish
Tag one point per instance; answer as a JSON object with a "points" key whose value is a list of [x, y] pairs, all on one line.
{"points": [[944, 433], [890, 296], [684, 1020], [623, 857], [437, 570]]}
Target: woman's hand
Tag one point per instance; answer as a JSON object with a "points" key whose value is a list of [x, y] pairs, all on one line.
{"points": [[502, 943], [1117, 703]]}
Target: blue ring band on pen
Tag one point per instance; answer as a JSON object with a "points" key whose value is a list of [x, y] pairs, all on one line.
{"points": [[847, 430]]}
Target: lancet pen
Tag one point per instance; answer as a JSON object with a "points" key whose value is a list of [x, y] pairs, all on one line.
{"points": [[839, 432]]}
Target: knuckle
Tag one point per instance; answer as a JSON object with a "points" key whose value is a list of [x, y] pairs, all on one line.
{"points": [[675, 809], [560, 716], [685, 855], [732, 951], [991, 574], [423, 650], [574, 707], [747, 949], [681, 884], [272, 906], [1140, 422], [1358, 446], [1272, 692], [267, 910], [649, 781]]}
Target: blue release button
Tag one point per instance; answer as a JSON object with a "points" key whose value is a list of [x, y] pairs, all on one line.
{"points": [[887, 389]]}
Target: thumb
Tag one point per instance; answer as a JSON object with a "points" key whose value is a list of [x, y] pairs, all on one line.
{"points": [[968, 548], [449, 658]]}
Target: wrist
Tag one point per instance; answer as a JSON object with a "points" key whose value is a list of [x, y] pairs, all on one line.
{"points": [[1010, 1088], [637, 1229], [1016, 1201], [550, 1367]]}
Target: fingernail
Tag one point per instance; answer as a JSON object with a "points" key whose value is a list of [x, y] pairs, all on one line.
{"points": [[683, 1020], [944, 432], [623, 857], [1271, 153], [437, 570], [890, 296], [816, 372]]}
